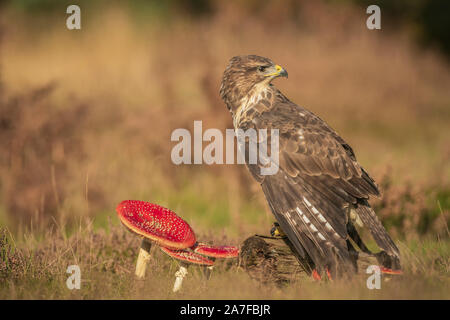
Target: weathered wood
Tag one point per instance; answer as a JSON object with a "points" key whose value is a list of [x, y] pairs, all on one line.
{"points": [[272, 260]]}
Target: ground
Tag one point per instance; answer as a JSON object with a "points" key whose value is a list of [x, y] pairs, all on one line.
{"points": [[107, 260]]}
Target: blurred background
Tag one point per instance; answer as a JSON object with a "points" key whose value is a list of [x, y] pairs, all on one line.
{"points": [[86, 115]]}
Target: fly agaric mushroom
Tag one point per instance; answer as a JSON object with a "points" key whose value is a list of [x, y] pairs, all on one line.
{"points": [[213, 252], [216, 251], [185, 257], [173, 234], [155, 224], [197, 256]]}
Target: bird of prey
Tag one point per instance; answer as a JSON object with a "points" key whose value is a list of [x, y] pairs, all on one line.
{"points": [[320, 191]]}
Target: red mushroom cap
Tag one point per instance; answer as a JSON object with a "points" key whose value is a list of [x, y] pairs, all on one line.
{"points": [[217, 251], [156, 223], [188, 256]]}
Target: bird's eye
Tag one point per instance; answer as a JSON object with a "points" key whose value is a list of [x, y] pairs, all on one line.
{"points": [[262, 68]]}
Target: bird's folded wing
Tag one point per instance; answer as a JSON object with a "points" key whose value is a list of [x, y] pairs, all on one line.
{"points": [[318, 178]]}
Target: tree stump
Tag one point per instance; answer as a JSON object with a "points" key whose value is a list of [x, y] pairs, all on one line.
{"points": [[273, 260]]}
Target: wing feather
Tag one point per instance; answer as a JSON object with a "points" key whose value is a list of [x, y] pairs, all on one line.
{"points": [[318, 179]]}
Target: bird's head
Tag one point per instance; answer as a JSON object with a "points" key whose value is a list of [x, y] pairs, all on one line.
{"points": [[244, 72]]}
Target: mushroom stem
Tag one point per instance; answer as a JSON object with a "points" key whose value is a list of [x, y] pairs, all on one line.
{"points": [[209, 269], [143, 257], [208, 272], [180, 274]]}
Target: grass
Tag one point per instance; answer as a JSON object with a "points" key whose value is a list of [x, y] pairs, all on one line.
{"points": [[86, 118], [107, 260]]}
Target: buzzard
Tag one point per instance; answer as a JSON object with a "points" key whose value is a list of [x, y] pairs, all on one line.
{"points": [[320, 191]]}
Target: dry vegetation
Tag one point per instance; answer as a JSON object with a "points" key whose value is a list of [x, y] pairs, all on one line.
{"points": [[86, 118], [107, 260]]}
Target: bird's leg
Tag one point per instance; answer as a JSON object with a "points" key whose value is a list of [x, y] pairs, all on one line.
{"points": [[180, 274], [329, 275], [276, 231], [143, 258], [316, 276]]}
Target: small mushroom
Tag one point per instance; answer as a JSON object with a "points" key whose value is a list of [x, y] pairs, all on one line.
{"points": [[154, 224], [216, 251], [213, 252], [185, 257], [200, 254]]}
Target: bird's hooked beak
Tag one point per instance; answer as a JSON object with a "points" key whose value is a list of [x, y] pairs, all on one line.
{"points": [[277, 71]]}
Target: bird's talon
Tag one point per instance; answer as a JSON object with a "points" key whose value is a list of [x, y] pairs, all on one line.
{"points": [[276, 231]]}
